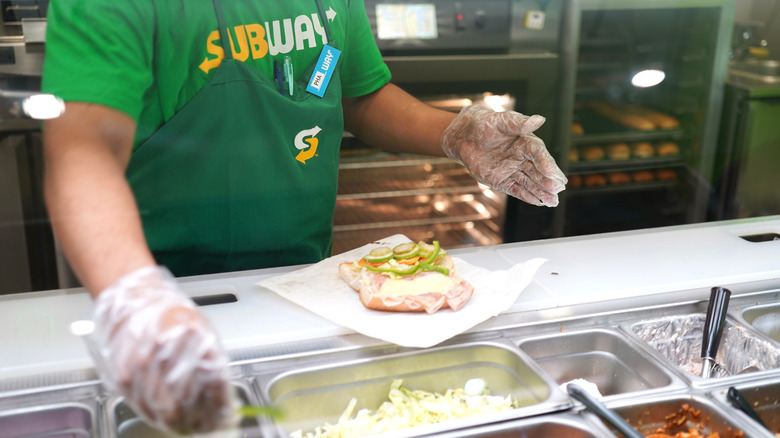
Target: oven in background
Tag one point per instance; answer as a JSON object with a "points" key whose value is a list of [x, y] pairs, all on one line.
{"points": [[483, 54]]}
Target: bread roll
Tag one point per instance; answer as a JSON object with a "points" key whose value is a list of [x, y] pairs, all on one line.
{"points": [[594, 180], [668, 148], [618, 178], [427, 291], [666, 174], [574, 181], [642, 150], [618, 151], [593, 153], [574, 155], [576, 129], [641, 176]]}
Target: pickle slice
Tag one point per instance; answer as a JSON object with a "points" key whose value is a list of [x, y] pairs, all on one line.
{"points": [[429, 249], [426, 249], [406, 250], [379, 255]]}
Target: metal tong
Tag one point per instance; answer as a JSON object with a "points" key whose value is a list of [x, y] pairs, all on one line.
{"points": [[713, 329], [602, 411]]}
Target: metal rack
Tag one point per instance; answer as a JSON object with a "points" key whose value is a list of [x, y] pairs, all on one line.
{"points": [[424, 198], [612, 40]]}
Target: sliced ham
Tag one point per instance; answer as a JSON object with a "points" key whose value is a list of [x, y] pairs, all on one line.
{"points": [[425, 291]]}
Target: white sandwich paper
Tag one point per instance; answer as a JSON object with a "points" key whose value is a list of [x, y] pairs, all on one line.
{"points": [[319, 289]]}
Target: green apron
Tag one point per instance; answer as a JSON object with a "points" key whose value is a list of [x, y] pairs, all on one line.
{"points": [[242, 177]]}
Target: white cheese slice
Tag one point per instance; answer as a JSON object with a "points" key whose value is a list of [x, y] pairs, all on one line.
{"points": [[418, 285]]}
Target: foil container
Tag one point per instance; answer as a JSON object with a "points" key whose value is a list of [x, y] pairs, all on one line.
{"points": [[679, 339]]}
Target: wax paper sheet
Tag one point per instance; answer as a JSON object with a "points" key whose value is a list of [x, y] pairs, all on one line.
{"points": [[319, 289]]}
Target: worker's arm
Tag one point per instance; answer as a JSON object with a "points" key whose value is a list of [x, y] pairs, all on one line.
{"points": [[498, 148], [151, 343], [90, 203], [391, 119]]}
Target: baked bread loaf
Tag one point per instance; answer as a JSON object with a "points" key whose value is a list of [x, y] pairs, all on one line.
{"points": [[594, 180], [412, 277], [629, 120], [618, 151], [593, 153], [641, 176], [576, 129], [574, 181], [618, 178], [668, 148], [666, 174], [642, 150], [574, 155], [659, 119]]}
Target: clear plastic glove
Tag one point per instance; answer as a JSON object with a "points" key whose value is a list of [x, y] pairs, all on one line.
{"points": [[153, 346], [499, 149]]}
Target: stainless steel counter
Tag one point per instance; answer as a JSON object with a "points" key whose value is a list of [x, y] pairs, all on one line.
{"points": [[594, 293]]}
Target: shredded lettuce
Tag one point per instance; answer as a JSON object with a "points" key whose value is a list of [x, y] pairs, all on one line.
{"points": [[406, 408]]}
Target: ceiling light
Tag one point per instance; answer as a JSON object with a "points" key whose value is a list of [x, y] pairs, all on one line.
{"points": [[648, 78]]}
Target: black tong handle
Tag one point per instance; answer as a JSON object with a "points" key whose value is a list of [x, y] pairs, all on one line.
{"points": [[738, 400], [716, 318]]}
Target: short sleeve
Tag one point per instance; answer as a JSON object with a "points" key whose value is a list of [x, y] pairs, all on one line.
{"points": [[100, 51], [363, 70]]}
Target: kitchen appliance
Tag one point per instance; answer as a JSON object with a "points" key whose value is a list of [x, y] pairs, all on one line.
{"points": [[502, 54], [30, 260], [749, 148], [663, 174], [16, 11]]}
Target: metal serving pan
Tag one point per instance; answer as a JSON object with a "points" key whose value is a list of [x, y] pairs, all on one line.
{"points": [[313, 395], [649, 414], [566, 424], [604, 357], [64, 420], [66, 411], [764, 398], [124, 423], [764, 318], [678, 339]]}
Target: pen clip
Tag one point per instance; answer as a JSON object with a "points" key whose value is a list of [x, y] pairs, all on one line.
{"points": [[288, 74], [278, 76]]}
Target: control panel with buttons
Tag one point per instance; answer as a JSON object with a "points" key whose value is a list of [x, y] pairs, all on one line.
{"points": [[476, 25]]}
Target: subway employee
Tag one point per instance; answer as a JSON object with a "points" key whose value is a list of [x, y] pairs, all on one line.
{"points": [[203, 136]]}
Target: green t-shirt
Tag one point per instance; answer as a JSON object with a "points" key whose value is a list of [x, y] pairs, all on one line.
{"points": [[149, 58]]}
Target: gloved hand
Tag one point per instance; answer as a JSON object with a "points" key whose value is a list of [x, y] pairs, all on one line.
{"points": [[153, 346], [499, 149]]}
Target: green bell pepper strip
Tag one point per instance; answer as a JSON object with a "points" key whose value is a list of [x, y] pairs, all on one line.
{"points": [[424, 266], [428, 264], [410, 271]]}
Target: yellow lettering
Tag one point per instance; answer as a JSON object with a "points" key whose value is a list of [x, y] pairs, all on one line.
{"points": [[243, 51], [257, 42], [214, 49]]}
